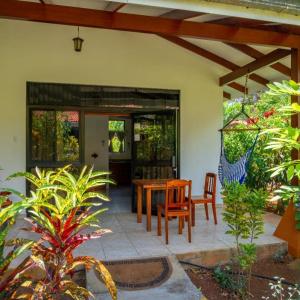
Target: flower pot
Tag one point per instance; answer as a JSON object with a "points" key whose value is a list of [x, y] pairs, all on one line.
{"points": [[286, 230]]}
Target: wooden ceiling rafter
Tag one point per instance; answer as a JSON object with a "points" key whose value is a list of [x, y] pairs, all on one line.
{"points": [[66, 15], [213, 57], [226, 95], [259, 63], [238, 87], [254, 53], [208, 55]]}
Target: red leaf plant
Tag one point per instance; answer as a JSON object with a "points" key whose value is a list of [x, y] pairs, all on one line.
{"points": [[61, 218]]}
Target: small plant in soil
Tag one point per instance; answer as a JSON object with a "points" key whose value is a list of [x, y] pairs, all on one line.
{"points": [[279, 292], [280, 255], [243, 213]]}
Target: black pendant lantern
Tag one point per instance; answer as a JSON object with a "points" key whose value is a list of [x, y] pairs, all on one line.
{"points": [[78, 42]]}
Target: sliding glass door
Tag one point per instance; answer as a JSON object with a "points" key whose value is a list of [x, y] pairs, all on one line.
{"points": [[155, 148]]}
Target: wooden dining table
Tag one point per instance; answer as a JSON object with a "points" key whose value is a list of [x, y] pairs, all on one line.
{"points": [[148, 185]]}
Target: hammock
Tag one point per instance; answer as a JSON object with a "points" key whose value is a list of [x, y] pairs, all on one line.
{"points": [[234, 172]]}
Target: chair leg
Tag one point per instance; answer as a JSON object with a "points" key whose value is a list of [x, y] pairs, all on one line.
{"points": [[193, 214], [214, 212], [183, 221], [206, 211], [167, 229], [189, 229], [180, 221], [159, 221]]}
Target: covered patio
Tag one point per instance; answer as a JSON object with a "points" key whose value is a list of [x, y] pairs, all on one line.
{"points": [[203, 51], [196, 52]]}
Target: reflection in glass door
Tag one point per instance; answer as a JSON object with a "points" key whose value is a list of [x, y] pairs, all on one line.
{"points": [[155, 149]]}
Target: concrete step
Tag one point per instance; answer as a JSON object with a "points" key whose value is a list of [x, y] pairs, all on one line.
{"points": [[220, 256], [177, 287]]}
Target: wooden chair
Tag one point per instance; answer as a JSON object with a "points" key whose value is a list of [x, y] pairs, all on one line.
{"points": [[209, 196], [177, 204]]}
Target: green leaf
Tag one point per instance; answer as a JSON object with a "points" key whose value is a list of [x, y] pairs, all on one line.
{"points": [[290, 172]]}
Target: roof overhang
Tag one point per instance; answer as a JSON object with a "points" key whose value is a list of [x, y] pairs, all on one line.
{"points": [[217, 8]]}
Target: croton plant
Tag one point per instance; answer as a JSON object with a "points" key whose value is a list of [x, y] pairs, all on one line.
{"points": [[60, 213]]}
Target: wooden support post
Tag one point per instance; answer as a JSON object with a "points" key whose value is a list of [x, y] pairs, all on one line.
{"points": [[286, 229], [295, 75]]}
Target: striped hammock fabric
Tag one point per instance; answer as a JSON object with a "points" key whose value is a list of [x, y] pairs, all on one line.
{"points": [[231, 172]]}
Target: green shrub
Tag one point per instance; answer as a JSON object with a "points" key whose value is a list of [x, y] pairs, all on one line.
{"points": [[243, 213]]}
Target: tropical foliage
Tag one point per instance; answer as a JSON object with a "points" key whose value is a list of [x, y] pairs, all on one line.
{"points": [[286, 139], [62, 217], [263, 110], [8, 213]]}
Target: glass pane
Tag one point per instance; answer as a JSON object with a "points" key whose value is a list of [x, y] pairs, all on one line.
{"points": [[43, 135], [116, 125], [116, 143], [155, 137], [55, 136], [67, 136]]}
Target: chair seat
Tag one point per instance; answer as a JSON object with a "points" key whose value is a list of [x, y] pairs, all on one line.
{"points": [[201, 199], [209, 197], [174, 207]]}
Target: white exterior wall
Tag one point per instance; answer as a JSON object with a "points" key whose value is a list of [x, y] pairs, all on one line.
{"points": [[44, 52]]}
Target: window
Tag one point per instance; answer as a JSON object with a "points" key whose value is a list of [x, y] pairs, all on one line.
{"points": [[116, 141], [55, 136]]}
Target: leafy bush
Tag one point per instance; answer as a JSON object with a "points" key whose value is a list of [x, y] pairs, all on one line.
{"points": [[227, 280], [243, 213], [8, 213], [286, 139], [60, 215], [263, 111]]}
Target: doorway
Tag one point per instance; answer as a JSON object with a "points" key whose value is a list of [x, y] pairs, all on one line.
{"points": [[131, 146]]}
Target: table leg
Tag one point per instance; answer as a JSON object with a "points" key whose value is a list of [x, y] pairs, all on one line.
{"points": [[139, 203], [149, 208]]}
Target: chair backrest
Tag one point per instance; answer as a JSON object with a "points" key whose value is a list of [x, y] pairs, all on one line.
{"points": [[210, 185], [178, 193]]}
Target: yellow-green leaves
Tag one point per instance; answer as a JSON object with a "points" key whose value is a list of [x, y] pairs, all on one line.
{"points": [[289, 87]]}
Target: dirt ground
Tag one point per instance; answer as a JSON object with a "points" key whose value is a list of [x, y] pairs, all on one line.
{"points": [[289, 269]]}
